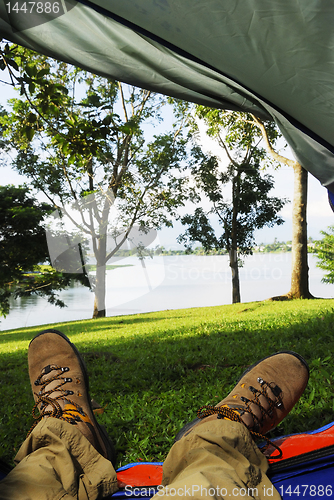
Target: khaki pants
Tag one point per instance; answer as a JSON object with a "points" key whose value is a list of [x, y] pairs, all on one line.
{"points": [[218, 459]]}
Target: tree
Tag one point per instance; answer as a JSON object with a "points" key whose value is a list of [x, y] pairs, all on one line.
{"points": [[299, 269], [80, 139], [324, 250], [249, 207], [23, 248]]}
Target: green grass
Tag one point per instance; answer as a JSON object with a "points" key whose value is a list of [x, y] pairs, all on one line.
{"points": [[152, 371]]}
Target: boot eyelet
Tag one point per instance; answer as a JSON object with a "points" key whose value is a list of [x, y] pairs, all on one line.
{"points": [[276, 390]]}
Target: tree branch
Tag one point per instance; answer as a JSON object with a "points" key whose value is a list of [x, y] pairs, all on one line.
{"points": [[123, 101], [271, 151], [223, 145]]}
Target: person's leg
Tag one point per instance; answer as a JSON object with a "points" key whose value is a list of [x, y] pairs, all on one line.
{"points": [[215, 456], [67, 455], [217, 460], [56, 462]]}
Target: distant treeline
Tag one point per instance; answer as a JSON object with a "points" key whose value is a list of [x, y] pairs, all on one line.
{"points": [[275, 247]]}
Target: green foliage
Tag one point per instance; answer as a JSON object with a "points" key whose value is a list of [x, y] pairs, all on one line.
{"points": [[7, 57], [324, 249], [153, 371], [23, 247], [249, 207], [249, 210], [277, 246], [22, 239]]}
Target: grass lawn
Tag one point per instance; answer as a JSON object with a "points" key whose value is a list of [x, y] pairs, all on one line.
{"points": [[153, 371]]}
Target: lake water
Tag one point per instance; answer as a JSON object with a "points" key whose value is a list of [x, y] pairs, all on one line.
{"points": [[170, 282]]}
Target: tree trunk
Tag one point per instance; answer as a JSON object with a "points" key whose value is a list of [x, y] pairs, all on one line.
{"points": [[299, 272], [235, 276], [100, 280], [233, 252], [100, 293]]}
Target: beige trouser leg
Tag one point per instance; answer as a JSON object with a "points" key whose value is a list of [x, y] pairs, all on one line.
{"points": [[218, 459], [57, 462]]}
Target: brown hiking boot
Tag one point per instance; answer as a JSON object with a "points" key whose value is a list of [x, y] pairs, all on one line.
{"points": [[263, 396], [60, 385]]}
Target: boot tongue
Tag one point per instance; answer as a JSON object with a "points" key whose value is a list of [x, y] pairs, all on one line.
{"points": [[53, 390], [56, 390], [243, 414]]}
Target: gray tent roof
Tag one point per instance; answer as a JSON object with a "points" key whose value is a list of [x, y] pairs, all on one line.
{"points": [[274, 58]]}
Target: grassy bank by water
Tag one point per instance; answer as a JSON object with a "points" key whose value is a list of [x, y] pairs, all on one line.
{"points": [[152, 371]]}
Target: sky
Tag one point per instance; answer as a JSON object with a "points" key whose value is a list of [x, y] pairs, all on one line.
{"points": [[319, 213]]}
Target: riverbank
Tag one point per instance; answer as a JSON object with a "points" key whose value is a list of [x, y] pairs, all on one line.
{"points": [[152, 371], [173, 282]]}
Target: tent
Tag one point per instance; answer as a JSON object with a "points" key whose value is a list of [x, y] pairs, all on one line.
{"points": [[273, 58]]}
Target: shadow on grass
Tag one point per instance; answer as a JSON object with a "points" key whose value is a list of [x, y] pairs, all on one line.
{"points": [[113, 323], [151, 383]]}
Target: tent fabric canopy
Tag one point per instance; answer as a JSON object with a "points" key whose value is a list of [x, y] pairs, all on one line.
{"points": [[272, 58]]}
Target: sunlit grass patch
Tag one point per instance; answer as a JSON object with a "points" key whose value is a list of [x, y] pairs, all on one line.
{"points": [[152, 371]]}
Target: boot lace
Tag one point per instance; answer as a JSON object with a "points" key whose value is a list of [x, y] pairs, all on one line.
{"points": [[72, 412], [236, 412]]}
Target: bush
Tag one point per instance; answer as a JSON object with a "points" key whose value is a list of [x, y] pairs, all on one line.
{"points": [[325, 252]]}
